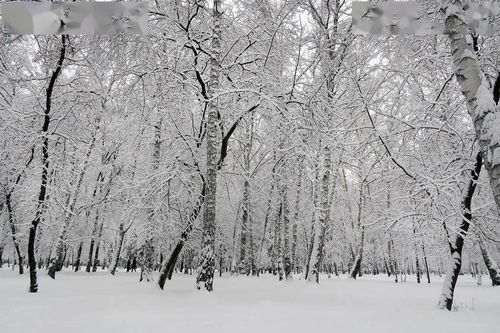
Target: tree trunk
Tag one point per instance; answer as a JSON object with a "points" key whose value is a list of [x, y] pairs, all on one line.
{"points": [[481, 103], [268, 214], [492, 267], [95, 228], [147, 259], [417, 263], [3, 234], [96, 257], [246, 252], [298, 188], [314, 234], [10, 217], [323, 219], [78, 256], [446, 299], [116, 256], [41, 205], [426, 265], [392, 258], [148, 252], [2, 246], [92, 241], [356, 267], [287, 263], [168, 268], [479, 275], [277, 248], [245, 228], [206, 266]]}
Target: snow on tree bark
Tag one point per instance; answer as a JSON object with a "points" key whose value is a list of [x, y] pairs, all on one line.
{"points": [[491, 265], [287, 263], [244, 267], [247, 256], [322, 220], [116, 255], [41, 205], [480, 102], [268, 213], [356, 266], [277, 242], [169, 265], [312, 237], [206, 267], [298, 191], [148, 252], [455, 263], [10, 218], [417, 262]]}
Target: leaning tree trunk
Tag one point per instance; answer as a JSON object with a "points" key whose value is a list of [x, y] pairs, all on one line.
{"points": [[426, 265], [446, 299], [168, 268], [491, 265], [482, 108], [41, 205], [481, 104], [206, 266]]}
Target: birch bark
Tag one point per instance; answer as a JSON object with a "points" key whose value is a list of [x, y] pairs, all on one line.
{"points": [[206, 266]]}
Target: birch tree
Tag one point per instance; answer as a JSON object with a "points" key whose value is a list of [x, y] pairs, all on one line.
{"points": [[206, 267]]}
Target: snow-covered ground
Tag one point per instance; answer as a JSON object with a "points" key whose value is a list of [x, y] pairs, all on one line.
{"points": [[82, 302]]}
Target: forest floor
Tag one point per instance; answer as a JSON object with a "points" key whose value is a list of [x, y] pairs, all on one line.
{"points": [[99, 302]]}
